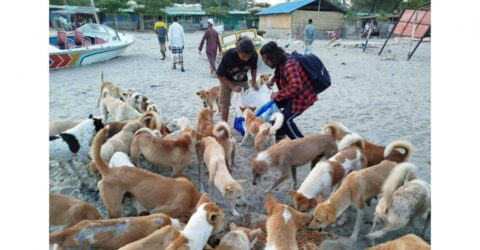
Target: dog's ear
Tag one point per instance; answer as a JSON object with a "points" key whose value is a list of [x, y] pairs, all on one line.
{"points": [[269, 202], [203, 199], [318, 199], [232, 226], [198, 93], [253, 109], [214, 218], [331, 217], [90, 116], [242, 109], [292, 193], [269, 75]]}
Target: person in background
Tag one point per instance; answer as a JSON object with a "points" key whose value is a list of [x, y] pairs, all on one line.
{"points": [[309, 34], [213, 43], [232, 72], [176, 37], [161, 29], [295, 90]]}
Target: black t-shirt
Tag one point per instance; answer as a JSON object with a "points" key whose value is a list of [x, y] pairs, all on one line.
{"points": [[233, 68]]}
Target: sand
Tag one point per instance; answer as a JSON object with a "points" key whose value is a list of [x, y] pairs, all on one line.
{"points": [[382, 98]]}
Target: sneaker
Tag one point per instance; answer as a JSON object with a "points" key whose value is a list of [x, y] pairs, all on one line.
{"points": [[163, 58], [183, 70]]}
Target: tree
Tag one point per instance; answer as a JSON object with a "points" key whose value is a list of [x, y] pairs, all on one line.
{"points": [[71, 2], [413, 4], [375, 6], [153, 7], [112, 6]]}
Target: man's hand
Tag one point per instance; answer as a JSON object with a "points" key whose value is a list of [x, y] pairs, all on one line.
{"points": [[272, 96], [235, 88], [269, 84], [254, 84]]}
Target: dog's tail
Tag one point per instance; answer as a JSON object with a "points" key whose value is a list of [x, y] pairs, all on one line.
{"points": [[278, 118], [99, 139], [144, 130], [221, 130], [406, 145], [397, 177], [101, 89], [350, 140]]}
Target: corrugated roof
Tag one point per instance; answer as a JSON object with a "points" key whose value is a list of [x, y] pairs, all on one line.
{"points": [[285, 7], [239, 12], [185, 12]]}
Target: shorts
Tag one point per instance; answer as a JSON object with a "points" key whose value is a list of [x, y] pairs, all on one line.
{"points": [[226, 93]]}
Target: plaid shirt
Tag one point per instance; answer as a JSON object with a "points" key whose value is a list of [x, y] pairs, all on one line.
{"points": [[293, 83]]}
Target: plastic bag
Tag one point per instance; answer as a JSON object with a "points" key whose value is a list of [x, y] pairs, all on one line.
{"points": [[267, 110], [248, 98]]}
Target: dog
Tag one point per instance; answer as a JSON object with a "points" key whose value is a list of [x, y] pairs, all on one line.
{"points": [[139, 102], [401, 202], [67, 211], [327, 175], [162, 152], [375, 153], [148, 188], [262, 132], [289, 154], [339, 243], [221, 132], [58, 126], [109, 233], [74, 143], [210, 96], [118, 109], [406, 242], [262, 79], [118, 143], [355, 189], [158, 240], [207, 219], [239, 238], [152, 120], [120, 159], [282, 224], [210, 151], [113, 90]]}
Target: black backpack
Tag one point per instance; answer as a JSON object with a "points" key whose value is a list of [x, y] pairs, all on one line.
{"points": [[317, 73]]}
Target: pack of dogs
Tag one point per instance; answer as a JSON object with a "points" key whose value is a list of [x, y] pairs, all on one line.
{"points": [[173, 213]]}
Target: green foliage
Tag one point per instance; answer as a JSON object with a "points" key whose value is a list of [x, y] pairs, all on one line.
{"points": [[112, 6], [217, 11], [71, 2], [383, 16], [350, 16], [375, 6], [152, 7], [413, 4]]}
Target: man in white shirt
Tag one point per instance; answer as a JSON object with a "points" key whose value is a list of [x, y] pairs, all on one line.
{"points": [[176, 37]]}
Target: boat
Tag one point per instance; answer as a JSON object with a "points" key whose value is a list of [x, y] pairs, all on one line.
{"points": [[228, 39], [87, 44]]}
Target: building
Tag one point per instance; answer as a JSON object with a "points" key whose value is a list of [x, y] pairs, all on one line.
{"points": [[286, 20]]}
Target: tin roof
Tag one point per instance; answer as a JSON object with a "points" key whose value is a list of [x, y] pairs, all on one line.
{"points": [[288, 7]]}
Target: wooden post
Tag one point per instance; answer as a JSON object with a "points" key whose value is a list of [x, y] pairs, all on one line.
{"points": [[391, 32], [142, 24]]}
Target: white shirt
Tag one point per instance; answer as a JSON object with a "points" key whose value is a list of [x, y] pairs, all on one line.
{"points": [[176, 36]]}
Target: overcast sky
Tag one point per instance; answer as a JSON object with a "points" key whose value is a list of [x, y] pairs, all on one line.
{"points": [[272, 2]]}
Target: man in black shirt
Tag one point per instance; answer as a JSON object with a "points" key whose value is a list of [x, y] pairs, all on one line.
{"points": [[233, 69]]}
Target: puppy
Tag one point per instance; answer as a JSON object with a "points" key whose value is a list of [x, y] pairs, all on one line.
{"points": [[220, 131], [67, 211], [148, 188], [110, 233], [74, 143], [119, 110], [282, 224], [289, 154], [211, 152], [375, 153], [262, 132], [58, 126], [328, 174], [355, 189], [207, 219], [162, 152], [239, 238], [210, 96], [262, 79], [401, 202], [406, 242], [113, 90], [118, 143]]}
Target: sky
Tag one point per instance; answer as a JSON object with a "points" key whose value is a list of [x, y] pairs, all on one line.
{"points": [[272, 2]]}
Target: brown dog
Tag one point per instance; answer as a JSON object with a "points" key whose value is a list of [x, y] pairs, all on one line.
{"points": [[108, 234], [210, 96], [113, 90], [159, 240], [239, 238], [375, 153], [289, 154], [67, 211], [282, 224], [149, 189], [262, 79], [406, 242], [263, 133]]}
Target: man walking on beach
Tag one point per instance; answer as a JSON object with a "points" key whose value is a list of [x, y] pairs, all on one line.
{"points": [[232, 72], [213, 43], [176, 37], [161, 29], [309, 34], [295, 90]]}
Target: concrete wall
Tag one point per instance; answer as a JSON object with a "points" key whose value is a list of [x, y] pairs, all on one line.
{"points": [[324, 21]]}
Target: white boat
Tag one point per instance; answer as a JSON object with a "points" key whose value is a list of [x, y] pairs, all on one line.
{"points": [[89, 43]]}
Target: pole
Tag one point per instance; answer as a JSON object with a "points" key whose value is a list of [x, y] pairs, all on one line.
{"points": [[391, 32], [94, 12], [68, 15], [319, 3]]}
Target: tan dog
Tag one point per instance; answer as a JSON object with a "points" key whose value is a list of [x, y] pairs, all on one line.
{"points": [[327, 175], [138, 101], [212, 153], [118, 109], [207, 219], [58, 126], [158, 240], [67, 211], [282, 224], [262, 79], [118, 143], [406, 242], [162, 152], [289, 154], [375, 153], [262, 132], [108, 234], [152, 120], [220, 131], [113, 90], [239, 238], [210, 96], [146, 187], [402, 201], [355, 189]]}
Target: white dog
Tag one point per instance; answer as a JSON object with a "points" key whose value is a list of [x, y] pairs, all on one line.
{"points": [[119, 110]]}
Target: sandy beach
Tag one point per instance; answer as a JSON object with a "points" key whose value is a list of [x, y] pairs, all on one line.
{"points": [[382, 98]]}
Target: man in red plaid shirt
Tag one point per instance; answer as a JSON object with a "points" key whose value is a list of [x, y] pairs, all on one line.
{"points": [[295, 90]]}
